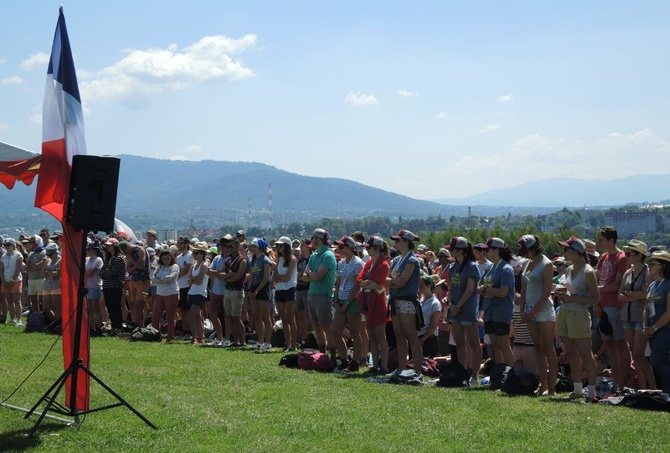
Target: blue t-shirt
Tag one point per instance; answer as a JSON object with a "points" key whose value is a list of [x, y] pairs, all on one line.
{"points": [[458, 283], [657, 297], [499, 309], [257, 269], [218, 285], [411, 288]]}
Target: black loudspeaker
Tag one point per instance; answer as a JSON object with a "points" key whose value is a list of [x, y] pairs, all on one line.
{"points": [[93, 186]]}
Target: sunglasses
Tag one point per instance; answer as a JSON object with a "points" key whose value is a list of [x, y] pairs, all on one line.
{"points": [[7, 244], [654, 263], [629, 254]]}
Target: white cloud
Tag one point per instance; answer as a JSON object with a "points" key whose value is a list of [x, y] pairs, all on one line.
{"points": [[4, 127], [506, 98], [154, 71], [11, 80], [38, 60], [407, 94], [178, 157], [489, 128], [193, 149], [358, 98], [442, 115], [537, 157], [3, 61]]}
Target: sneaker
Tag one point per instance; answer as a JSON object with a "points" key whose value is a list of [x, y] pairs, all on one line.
{"points": [[473, 381], [224, 343], [265, 346], [18, 323], [214, 342], [575, 396]]}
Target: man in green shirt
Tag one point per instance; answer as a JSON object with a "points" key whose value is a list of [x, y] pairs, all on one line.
{"points": [[320, 272]]}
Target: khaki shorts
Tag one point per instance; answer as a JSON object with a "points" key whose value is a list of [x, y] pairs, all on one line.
{"points": [[137, 289], [573, 324], [35, 287], [232, 303]]}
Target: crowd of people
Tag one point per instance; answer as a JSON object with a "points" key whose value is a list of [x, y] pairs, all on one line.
{"points": [[371, 302]]}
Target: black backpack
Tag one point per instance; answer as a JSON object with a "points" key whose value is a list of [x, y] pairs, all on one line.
{"points": [[520, 382], [498, 375], [289, 361], [37, 322], [453, 375]]}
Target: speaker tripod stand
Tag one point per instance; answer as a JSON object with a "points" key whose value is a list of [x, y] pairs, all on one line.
{"points": [[77, 365]]}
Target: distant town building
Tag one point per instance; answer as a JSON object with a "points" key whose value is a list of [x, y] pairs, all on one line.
{"points": [[632, 223]]}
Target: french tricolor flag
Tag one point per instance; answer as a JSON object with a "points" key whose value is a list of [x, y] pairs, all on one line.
{"points": [[62, 138]]}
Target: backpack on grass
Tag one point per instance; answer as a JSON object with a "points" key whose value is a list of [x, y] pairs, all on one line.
{"points": [[37, 322]]}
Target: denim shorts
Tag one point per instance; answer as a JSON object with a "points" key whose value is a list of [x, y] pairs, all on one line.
{"points": [[637, 326]]}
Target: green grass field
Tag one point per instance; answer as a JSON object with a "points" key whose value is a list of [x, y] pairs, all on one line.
{"points": [[207, 399]]}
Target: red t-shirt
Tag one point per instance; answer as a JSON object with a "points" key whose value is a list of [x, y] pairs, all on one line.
{"points": [[609, 266]]}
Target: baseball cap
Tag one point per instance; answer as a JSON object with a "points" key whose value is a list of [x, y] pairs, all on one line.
{"points": [[406, 235], [574, 243]]}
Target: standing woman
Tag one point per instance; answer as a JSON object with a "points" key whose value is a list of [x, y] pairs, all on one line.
{"points": [[259, 292], [498, 291], [405, 308], [633, 292], [167, 292], [657, 316], [372, 300], [51, 291], [286, 279], [537, 309], [301, 289], [573, 323], [197, 292], [113, 275], [347, 310], [12, 280], [463, 305], [97, 312]]}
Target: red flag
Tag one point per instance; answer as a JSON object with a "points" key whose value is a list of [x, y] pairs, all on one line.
{"points": [[62, 138]]}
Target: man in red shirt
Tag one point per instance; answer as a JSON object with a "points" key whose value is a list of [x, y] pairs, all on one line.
{"points": [[610, 269]]}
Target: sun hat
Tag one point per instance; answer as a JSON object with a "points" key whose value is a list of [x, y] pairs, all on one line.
{"points": [[591, 248], [200, 247], [635, 245], [663, 255], [112, 241]]}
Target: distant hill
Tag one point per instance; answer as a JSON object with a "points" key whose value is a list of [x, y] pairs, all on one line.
{"points": [[571, 192], [220, 191]]}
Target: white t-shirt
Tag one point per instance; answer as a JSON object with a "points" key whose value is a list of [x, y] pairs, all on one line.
{"points": [[94, 281], [10, 262], [183, 260]]}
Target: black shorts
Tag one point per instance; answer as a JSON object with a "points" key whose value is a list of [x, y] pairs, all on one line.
{"points": [[263, 294], [197, 300], [499, 329], [285, 295], [184, 304]]}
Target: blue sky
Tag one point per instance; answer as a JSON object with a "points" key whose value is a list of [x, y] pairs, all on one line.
{"points": [[427, 99]]}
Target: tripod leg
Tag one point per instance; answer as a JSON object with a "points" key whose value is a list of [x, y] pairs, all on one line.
{"points": [[118, 397], [59, 382], [50, 402]]}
